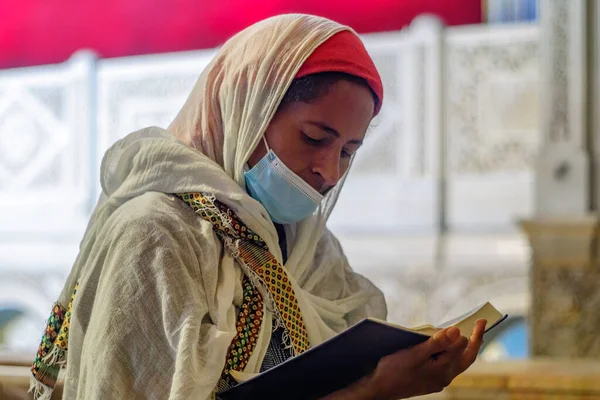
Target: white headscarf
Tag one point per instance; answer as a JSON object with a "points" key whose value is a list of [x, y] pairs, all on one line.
{"points": [[238, 93], [231, 106]]}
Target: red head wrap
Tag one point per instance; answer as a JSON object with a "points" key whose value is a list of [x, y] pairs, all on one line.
{"points": [[344, 52]]}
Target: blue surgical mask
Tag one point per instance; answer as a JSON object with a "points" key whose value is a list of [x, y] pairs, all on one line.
{"points": [[286, 197]]}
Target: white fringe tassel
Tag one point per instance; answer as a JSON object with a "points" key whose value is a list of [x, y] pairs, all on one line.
{"points": [[39, 390]]}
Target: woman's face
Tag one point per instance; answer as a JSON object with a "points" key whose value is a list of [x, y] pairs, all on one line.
{"points": [[316, 140]]}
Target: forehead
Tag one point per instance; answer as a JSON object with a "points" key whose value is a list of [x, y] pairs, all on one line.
{"points": [[346, 107]]}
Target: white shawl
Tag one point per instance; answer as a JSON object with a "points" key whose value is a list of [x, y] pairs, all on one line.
{"points": [[155, 311]]}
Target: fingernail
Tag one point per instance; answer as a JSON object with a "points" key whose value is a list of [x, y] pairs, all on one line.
{"points": [[452, 334]]}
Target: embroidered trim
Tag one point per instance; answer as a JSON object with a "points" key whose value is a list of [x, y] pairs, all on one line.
{"points": [[247, 329], [52, 353], [250, 250]]}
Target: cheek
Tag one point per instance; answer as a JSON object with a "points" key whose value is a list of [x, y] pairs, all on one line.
{"points": [[289, 147], [297, 158]]}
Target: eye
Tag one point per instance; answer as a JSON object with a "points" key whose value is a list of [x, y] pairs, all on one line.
{"points": [[346, 154], [311, 140]]}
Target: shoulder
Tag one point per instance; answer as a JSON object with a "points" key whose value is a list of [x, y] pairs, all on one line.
{"points": [[153, 211], [157, 222], [156, 244]]}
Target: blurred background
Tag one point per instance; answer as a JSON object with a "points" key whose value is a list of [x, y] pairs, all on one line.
{"points": [[78, 76], [481, 164]]}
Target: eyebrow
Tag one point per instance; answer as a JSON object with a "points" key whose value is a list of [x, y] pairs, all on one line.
{"points": [[333, 132]]}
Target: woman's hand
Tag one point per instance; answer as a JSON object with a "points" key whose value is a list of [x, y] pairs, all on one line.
{"points": [[426, 368]]}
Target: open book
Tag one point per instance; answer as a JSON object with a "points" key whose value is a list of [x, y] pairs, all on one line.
{"points": [[345, 358]]}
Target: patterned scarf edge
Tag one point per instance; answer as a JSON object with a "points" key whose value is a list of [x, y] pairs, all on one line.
{"points": [[271, 304], [52, 352], [236, 238]]}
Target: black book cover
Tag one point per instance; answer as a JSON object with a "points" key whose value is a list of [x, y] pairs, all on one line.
{"points": [[330, 366]]}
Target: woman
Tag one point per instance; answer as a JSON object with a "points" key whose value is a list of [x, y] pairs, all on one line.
{"points": [[207, 255]]}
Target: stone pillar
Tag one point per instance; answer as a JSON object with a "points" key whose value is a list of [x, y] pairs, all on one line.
{"points": [[565, 273], [565, 288]]}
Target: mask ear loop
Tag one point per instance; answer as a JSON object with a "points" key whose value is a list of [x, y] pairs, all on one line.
{"points": [[266, 144]]}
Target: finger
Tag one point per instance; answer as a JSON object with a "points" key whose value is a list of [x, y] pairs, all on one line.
{"points": [[454, 351], [470, 354], [438, 343], [479, 327], [478, 332]]}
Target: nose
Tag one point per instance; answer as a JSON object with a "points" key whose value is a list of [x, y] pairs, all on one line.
{"points": [[327, 168]]}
